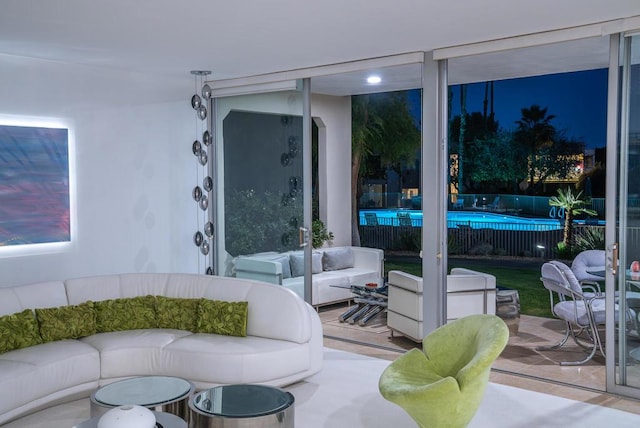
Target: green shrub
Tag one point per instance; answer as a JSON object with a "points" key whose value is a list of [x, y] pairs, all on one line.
{"points": [[563, 252], [482, 249], [410, 241], [590, 238]]}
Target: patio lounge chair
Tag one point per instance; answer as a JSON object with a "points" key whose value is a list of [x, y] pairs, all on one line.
{"points": [[404, 219], [495, 205], [371, 219]]}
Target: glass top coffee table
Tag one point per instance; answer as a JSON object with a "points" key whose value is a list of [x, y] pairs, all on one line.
{"points": [[158, 393], [242, 406]]}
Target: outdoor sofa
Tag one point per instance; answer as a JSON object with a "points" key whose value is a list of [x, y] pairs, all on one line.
{"points": [[334, 270]]}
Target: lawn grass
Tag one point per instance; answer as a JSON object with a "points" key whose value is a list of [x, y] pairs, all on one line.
{"points": [[534, 298]]}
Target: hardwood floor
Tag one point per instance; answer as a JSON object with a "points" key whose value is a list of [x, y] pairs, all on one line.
{"points": [[520, 364]]}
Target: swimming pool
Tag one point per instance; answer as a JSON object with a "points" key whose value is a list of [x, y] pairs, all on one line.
{"points": [[472, 219]]}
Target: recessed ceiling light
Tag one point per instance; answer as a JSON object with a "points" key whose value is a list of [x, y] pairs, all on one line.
{"points": [[374, 80]]}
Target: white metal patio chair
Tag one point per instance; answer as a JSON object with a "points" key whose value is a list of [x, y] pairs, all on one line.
{"points": [[582, 312], [589, 261]]}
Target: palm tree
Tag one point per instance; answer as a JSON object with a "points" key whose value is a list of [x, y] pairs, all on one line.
{"points": [[461, 136], [534, 133], [365, 129], [381, 125], [572, 206]]}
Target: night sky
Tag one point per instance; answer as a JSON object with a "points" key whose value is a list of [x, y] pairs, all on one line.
{"points": [[578, 100]]}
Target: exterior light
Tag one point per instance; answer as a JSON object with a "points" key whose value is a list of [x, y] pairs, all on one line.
{"points": [[374, 80]]}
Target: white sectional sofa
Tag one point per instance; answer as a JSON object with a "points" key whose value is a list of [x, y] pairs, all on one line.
{"points": [[468, 292], [283, 342], [333, 271]]}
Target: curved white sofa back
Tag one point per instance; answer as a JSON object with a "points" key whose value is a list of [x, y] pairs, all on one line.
{"points": [[287, 318], [41, 295]]}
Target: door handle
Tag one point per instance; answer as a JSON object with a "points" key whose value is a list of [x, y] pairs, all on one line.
{"points": [[303, 236], [613, 260]]}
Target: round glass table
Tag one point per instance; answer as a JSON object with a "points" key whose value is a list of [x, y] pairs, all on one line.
{"points": [[158, 393], [242, 406]]}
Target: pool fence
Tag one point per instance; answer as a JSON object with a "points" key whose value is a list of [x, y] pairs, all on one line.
{"points": [[479, 240], [532, 206]]}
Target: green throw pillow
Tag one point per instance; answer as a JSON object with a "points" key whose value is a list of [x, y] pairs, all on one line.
{"points": [[174, 312], [126, 314], [66, 322], [19, 330], [218, 317]]}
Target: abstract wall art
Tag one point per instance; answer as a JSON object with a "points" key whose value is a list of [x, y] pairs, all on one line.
{"points": [[34, 185]]}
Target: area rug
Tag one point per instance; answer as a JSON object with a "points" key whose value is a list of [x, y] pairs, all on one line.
{"points": [[345, 394]]}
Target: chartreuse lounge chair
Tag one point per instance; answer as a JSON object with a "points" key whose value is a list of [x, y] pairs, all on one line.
{"points": [[443, 385]]}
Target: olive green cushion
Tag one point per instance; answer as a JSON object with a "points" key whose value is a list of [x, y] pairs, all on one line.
{"points": [[126, 314], [66, 322], [219, 317], [19, 330], [174, 312]]}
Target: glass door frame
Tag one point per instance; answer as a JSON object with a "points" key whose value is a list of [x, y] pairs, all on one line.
{"points": [[301, 86], [616, 212], [273, 82]]}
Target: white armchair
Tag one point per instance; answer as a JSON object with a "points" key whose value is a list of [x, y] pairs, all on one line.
{"points": [[468, 292]]}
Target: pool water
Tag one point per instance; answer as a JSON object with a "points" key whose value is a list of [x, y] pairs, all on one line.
{"points": [[473, 219]]}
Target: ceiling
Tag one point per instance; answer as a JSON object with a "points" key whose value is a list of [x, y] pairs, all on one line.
{"points": [[577, 55], [162, 40]]}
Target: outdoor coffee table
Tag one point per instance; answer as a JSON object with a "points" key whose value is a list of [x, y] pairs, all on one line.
{"points": [[372, 301], [158, 393], [165, 420], [242, 406]]}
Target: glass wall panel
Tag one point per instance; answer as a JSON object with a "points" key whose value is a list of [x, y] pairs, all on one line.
{"points": [[627, 301], [260, 208]]}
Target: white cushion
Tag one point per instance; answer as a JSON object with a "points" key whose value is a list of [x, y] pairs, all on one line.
{"points": [[589, 260], [283, 259], [133, 352], [338, 258], [31, 373], [208, 358], [297, 263]]}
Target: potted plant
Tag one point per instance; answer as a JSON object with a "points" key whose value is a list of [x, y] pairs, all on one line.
{"points": [[319, 234]]}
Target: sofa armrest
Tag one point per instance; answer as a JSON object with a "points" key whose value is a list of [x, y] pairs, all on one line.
{"points": [[460, 277], [369, 258], [405, 281], [259, 270]]}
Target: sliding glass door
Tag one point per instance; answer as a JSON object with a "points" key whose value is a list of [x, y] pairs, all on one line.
{"points": [[624, 317], [262, 207]]}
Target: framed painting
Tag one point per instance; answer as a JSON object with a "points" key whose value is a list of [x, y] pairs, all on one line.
{"points": [[34, 185]]}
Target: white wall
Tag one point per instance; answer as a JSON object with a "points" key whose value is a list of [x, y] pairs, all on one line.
{"points": [[333, 117], [134, 170]]}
